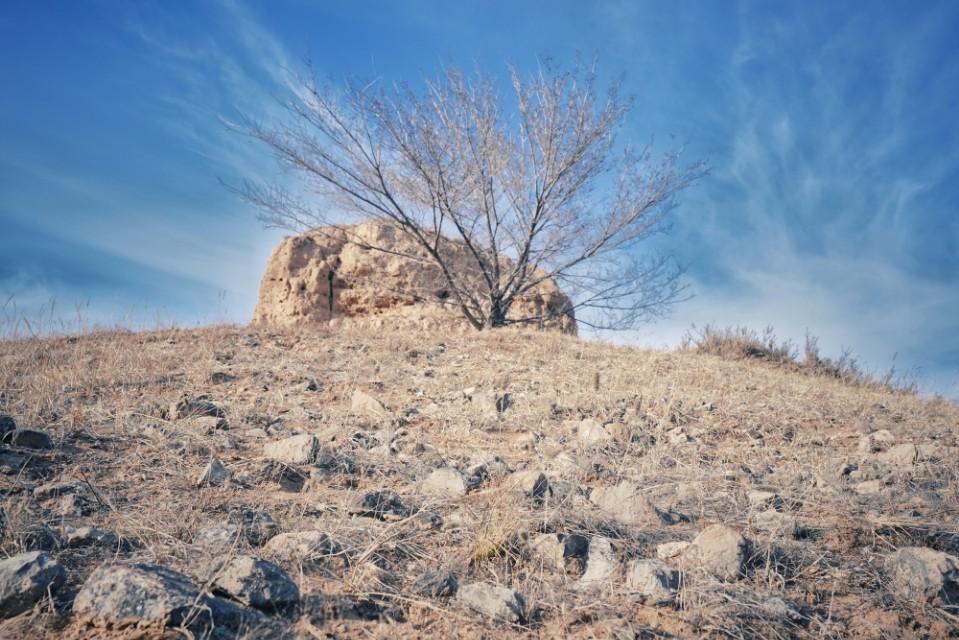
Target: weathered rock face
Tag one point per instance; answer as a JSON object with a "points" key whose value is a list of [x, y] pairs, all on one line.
{"points": [[322, 275]]}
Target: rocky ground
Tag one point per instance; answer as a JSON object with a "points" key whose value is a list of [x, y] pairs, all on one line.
{"points": [[231, 482]]}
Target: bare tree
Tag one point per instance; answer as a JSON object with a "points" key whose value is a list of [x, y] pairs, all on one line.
{"points": [[538, 191]]}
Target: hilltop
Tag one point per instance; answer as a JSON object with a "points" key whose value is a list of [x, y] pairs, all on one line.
{"points": [[253, 482]]}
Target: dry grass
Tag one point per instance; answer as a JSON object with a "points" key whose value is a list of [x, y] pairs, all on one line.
{"points": [[103, 396], [743, 343]]}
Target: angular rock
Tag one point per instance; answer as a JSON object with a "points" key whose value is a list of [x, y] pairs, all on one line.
{"points": [[493, 402], [71, 498], [900, 455], [776, 523], [145, 594], [668, 550], [677, 436], [25, 579], [626, 504], [876, 441], [257, 526], [600, 564], [591, 432], [383, 505], [91, 536], [444, 483], [203, 425], [548, 549], [779, 609], [655, 581], [302, 546], [29, 439], [219, 537], [194, 408], [221, 377], [531, 482], [11, 462], [255, 582], [436, 584], [499, 603], [525, 441], [56, 489], [213, 474], [7, 424], [761, 498], [920, 574], [553, 550], [73, 505], [720, 551], [301, 449], [362, 403]]}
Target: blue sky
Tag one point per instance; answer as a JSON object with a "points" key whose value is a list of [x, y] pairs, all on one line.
{"points": [[831, 128]]}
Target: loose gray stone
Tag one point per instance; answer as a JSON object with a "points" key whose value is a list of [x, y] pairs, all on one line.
{"points": [[383, 505], [876, 441], [301, 449], [255, 582], [548, 548], [531, 482], [195, 407], [779, 609], [363, 403], [776, 523], [29, 439], [655, 581], [436, 584], [302, 546], [677, 436], [900, 455], [762, 498], [72, 505], [258, 526], [219, 537], [626, 504], [203, 425], [91, 536], [444, 483], [145, 594], [221, 377], [56, 489], [668, 550], [25, 579], [213, 474], [720, 551], [920, 574], [591, 432], [11, 462], [499, 603], [7, 424], [600, 564]]}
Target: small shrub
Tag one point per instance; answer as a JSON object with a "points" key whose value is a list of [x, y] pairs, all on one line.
{"points": [[742, 343]]}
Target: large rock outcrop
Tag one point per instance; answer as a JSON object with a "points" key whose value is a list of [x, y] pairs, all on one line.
{"points": [[330, 273]]}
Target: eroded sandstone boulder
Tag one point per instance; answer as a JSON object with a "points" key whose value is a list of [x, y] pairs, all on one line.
{"points": [[332, 273]]}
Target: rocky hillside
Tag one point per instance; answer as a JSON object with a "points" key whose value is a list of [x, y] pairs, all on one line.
{"points": [[235, 482]]}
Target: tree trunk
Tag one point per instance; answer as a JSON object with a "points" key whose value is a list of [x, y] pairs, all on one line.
{"points": [[497, 316]]}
